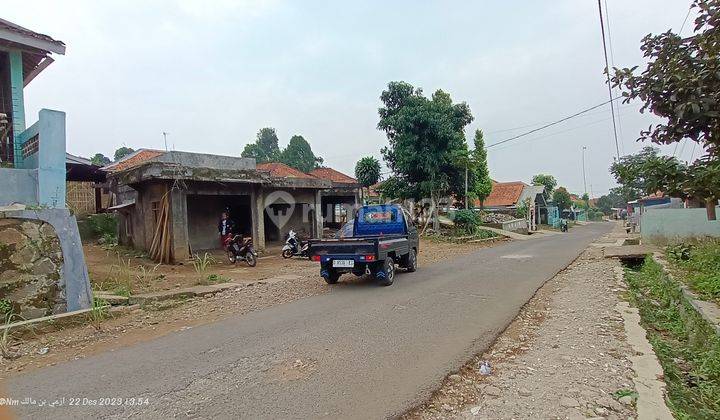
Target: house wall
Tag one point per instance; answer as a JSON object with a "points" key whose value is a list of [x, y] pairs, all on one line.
{"points": [[18, 186], [299, 216], [663, 224], [204, 214]]}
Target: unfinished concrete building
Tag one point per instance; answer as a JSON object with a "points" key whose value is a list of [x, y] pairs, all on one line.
{"points": [[265, 200]]}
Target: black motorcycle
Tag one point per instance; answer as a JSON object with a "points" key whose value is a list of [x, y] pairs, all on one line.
{"points": [[241, 249], [294, 247], [563, 225]]}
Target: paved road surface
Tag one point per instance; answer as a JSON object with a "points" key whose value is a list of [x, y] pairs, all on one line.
{"points": [[360, 351]]}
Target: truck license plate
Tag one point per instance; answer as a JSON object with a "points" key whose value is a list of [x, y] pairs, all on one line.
{"points": [[344, 263]]}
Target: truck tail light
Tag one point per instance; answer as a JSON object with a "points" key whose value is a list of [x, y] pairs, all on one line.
{"points": [[316, 258], [369, 258]]}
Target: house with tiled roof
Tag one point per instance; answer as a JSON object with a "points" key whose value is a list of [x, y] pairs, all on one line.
{"points": [[338, 201], [133, 159], [507, 197], [265, 200]]}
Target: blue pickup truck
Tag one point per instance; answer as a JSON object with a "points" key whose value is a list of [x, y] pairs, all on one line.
{"points": [[382, 237]]}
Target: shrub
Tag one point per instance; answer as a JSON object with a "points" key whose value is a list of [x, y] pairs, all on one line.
{"points": [[103, 226], [467, 220]]}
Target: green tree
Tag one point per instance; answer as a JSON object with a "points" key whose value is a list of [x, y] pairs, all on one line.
{"points": [[562, 199], [607, 202], [700, 180], [299, 155], [680, 82], [100, 160], [122, 152], [586, 200], [483, 183], [630, 174], [265, 148], [548, 181], [426, 137], [367, 171]]}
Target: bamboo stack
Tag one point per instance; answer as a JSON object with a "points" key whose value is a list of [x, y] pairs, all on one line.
{"points": [[160, 250]]}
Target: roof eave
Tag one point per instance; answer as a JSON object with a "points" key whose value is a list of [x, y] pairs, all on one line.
{"points": [[50, 46]]}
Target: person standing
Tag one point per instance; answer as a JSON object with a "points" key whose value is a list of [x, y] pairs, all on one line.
{"points": [[226, 228]]}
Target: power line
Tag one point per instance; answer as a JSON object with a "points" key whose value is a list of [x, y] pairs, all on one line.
{"points": [[684, 21], [612, 62], [607, 73], [553, 134], [505, 130], [552, 123]]}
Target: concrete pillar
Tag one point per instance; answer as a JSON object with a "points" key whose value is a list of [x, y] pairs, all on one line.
{"points": [[179, 225], [257, 205], [318, 214], [17, 83], [51, 159]]}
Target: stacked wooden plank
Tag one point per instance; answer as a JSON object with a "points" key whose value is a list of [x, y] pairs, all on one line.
{"points": [[160, 247]]}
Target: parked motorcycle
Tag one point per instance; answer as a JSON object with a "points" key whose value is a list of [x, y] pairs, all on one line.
{"points": [[241, 249], [294, 247]]}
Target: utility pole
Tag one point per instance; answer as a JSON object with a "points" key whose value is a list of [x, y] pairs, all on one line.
{"points": [[607, 71], [583, 168]]}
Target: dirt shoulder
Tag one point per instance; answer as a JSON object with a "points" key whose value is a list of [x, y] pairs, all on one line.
{"points": [[257, 291], [564, 356]]}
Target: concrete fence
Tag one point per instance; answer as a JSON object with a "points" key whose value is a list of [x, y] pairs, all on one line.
{"points": [[667, 224]]}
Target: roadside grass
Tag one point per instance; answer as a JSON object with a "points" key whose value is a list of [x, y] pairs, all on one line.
{"points": [[98, 313], [698, 265], [212, 279], [687, 347], [124, 278]]}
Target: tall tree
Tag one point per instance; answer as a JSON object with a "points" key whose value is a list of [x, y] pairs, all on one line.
{"points": [[122, 152], [680, 82], [100, 160], [299, 155], [562, 199], [483, 183], [607, 202], [367, 171], [629, 173], [548, 181], [699, 180], [265, 148], [425, 135]]}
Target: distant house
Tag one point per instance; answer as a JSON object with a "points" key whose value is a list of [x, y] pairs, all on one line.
{"points": [[339, 200], [507, 197], [86, 190]]}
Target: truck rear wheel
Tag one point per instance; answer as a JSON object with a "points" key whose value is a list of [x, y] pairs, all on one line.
{"points": [[386, 275], [411, 261], [332, 277]]}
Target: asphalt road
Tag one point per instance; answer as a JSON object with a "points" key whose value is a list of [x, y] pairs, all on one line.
{"points": [[360, 351]]}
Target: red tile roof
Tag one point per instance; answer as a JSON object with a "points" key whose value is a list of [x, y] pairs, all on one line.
{"points": [[333, 175], [135, 159], [281, 170], [504, 194]]}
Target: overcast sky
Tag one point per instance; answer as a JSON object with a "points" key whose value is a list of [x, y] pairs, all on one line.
{"points": [[213, 72]]}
